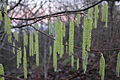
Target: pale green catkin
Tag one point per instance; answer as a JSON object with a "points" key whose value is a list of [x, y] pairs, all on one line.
{"points": [[77, 63], [89, 29], [7, 24], [59, 38], [90, 13], [16, 35], [55, 57], [71, 38], [25, 63], [13, 48], [78, 19], [72, 61], [118, 65], [62, 50], [96, 16], [19, 57], [84, 45], [18, 60], [25, 39], [31, 45], [105, 13], [36, 26], [37, 48], [8, 28], [1, 72], [57, 43], [102, 67]]}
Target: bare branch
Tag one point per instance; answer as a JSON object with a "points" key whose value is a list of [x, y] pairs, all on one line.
{"points": [[59, 13], [14, 6]]}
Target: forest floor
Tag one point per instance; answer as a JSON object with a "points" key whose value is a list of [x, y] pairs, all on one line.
{"points": [[67, 73]]}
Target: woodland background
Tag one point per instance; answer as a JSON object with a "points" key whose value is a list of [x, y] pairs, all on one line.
{"points": [[24, 13]]}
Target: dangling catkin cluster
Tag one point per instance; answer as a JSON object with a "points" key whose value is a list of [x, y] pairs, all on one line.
{"points": [[58, 43], [87, 37]]}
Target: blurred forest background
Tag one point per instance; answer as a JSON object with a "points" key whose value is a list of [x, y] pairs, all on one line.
{"points": [[39, 15]]}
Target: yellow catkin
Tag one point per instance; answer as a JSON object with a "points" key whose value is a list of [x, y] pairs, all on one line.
{"points": [[102, 67], [72, 61], [77, 63], [1, 72], [84, 53], [16, 35], [105, 13], [7, 23], [8, 27], [37, 48], [13, 48], [71, 38], [96, 16], [59, 38], [118, 65], [31, 44], [25, 39], [25, 63], [19, 57], [62, 50], [55, 57], [56, 42]]}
